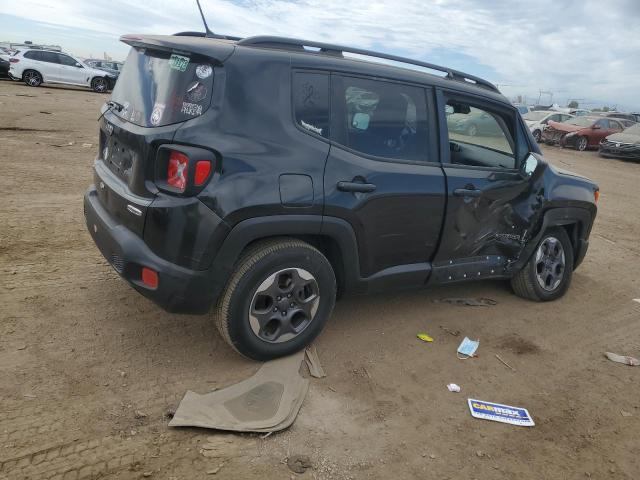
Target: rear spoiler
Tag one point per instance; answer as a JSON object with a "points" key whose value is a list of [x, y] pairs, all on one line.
{"points": [[217, 49]]}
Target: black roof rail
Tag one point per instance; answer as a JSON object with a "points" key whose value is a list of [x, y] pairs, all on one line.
{"points": [[338, 50]]}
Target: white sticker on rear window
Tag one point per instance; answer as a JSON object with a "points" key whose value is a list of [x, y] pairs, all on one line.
{"points": [[204, 71], [191, 109], [196, 92], [178, 62], [156, 114]]}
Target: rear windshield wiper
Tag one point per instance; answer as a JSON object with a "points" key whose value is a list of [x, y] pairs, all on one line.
{"points": [[111, 105]]}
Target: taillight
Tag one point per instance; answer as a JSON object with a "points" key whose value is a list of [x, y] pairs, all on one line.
{"points": [[178, 170], [596, 195], [14, 60], [183, 170], [203, 168]]}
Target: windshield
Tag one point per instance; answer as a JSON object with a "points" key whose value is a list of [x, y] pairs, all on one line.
{"points": [[160, 88], [580, 121], [535, 116]]}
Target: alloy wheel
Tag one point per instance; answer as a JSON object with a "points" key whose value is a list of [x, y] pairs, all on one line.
{"points": [[100, 85], [32, 78], [582, 143], [284, 305], [550, 264]]}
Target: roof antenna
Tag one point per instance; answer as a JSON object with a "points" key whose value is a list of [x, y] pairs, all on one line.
{"points": [[208, 33]]}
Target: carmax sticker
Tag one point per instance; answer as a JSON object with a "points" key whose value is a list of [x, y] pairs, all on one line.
{"points": [[500, 413]]}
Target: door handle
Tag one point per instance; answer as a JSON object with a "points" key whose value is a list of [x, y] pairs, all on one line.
{"points": [[467, 192], [355, 187]]}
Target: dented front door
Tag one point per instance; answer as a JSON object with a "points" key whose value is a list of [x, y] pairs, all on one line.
{"points": [[488, 214], [492, 200]]}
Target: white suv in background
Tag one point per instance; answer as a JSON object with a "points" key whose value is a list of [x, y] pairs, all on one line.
{"points": [[35, 67], [537, 120]]}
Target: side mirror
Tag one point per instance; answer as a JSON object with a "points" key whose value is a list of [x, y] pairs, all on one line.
{"points": [[596, 127], [529, 165], [78, 65]]}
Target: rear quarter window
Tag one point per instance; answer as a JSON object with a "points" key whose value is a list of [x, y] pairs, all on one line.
{"points": [[33, 55], [311, 102]]}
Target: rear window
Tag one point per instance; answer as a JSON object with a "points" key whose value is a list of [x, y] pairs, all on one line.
{"points": [[160, 88]]}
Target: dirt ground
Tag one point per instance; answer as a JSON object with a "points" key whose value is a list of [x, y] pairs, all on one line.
{"points": [[89, 368]]}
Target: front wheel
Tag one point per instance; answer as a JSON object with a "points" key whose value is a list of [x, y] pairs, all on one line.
{"points": [[278, 299], [99, 85], [581, 143], [537, 134], [547, 274]]}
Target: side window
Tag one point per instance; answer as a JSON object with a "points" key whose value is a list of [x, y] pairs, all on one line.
{"points": [[49, 57], [615, 125], [32, 55], [311, 102], [603, 123], [479, 137], [380, 118], [555, 117], [67, 60]]}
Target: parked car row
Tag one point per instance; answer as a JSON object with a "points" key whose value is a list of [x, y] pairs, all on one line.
{"points": [[37, 66], [615, 134]]}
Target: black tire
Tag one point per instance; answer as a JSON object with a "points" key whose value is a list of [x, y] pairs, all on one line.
{"points": [[582, 143], [537, 134], [32, 78], [100, 85], [527, 283], [275, 258]]}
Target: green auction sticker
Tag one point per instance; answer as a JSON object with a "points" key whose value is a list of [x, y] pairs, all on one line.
{"points": [[178, 62]]}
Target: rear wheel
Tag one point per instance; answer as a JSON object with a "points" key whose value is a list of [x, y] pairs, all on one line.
{"points": [[277, 300], [99, 85], [472, 130], [32, 78], [547, 275], [581, 143]]}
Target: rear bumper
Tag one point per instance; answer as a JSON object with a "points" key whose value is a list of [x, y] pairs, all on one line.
{"points": [[179, 290]]}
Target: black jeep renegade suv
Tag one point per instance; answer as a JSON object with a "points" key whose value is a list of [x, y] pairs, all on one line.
{"points": [[260, 178]]}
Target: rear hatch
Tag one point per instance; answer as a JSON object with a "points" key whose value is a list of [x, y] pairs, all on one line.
{"points": [[165, 82]]}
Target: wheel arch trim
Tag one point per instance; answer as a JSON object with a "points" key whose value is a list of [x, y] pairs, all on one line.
{"points": [[258, 228], [561, 217]]}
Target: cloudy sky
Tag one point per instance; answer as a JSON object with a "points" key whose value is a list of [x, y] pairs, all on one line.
{"points": [[586, 49]]}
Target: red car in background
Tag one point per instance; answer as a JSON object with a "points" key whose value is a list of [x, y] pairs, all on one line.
{"points": [[581, 132]]}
